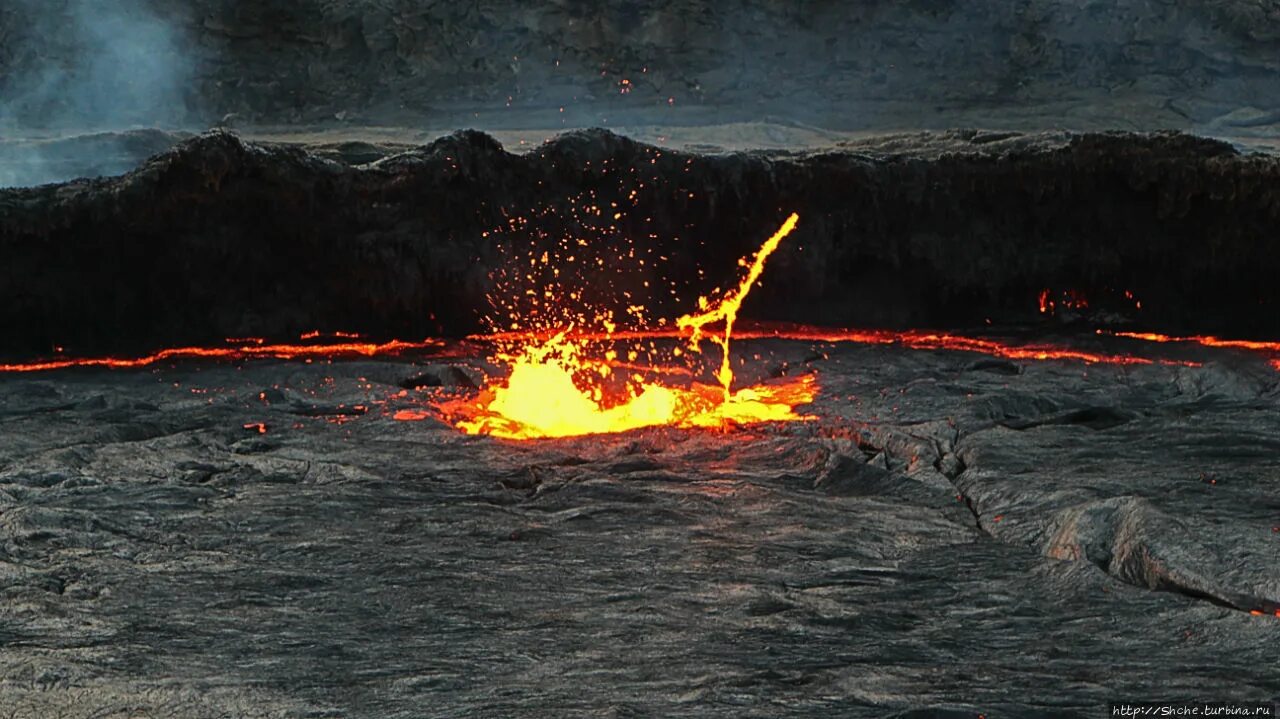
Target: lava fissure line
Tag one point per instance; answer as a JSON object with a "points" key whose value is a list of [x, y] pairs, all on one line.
{"points": [[911, 339], [1204, 340], [246, 349]]}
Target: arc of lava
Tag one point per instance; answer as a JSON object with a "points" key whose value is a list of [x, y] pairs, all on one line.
{"points": [[726, 310]]}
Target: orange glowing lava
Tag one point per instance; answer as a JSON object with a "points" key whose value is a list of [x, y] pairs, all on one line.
{"points": [[726, 310], [911, 339], [1205, 340], [238, 349], [558, 387]]}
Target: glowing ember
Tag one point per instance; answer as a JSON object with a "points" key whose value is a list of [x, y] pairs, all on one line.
{"points": [[1046, 304], [557, 389], [1068, 299], [1050, 300]]}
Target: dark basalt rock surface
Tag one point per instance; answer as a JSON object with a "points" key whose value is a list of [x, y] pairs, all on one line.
{"points": [[219, 237]]}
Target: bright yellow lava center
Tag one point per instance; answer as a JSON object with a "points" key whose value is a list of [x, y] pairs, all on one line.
{"points": [[540, 397]]}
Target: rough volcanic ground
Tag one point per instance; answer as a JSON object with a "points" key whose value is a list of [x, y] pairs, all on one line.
{"points": [[955, 532]]}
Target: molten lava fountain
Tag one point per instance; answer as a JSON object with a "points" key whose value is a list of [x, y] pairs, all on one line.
{"points": [[567, 384]]}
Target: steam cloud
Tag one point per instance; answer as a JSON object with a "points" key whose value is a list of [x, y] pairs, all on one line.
{"points": [[84, 66]]}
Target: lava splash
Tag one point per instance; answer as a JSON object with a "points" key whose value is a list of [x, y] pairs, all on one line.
{"points": [[558, 387]]}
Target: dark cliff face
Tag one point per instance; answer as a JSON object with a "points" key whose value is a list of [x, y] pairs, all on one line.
{"points": [[1032, 63], [220, 238]]}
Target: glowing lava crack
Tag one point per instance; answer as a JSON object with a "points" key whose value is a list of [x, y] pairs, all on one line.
{"points": [[343, 345], [556, 389]]}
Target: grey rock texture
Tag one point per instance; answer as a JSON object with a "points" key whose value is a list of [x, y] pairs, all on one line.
{"points": [[946, 540], [1030, 64]]}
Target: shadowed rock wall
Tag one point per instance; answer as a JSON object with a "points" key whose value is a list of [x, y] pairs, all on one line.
{"points": [[221, 238]]}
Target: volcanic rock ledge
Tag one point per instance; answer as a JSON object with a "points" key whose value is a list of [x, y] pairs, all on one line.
{"points": [[219, 237]]}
